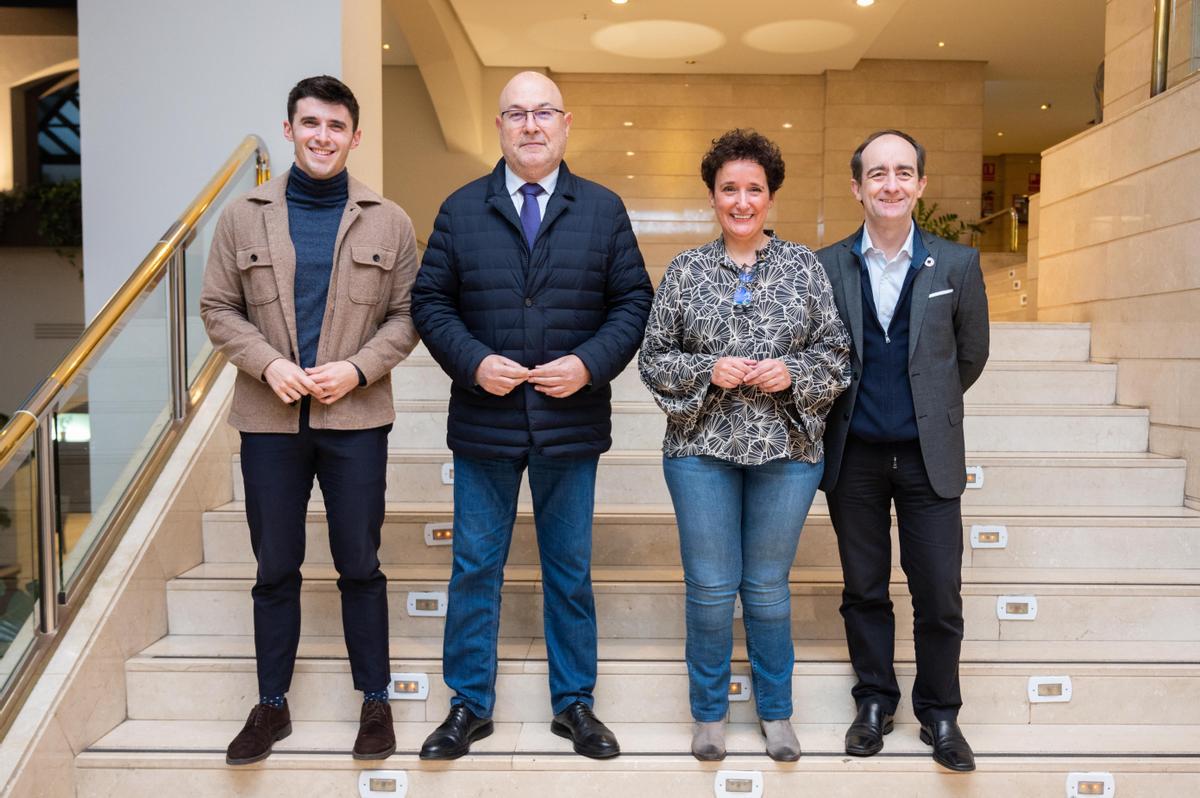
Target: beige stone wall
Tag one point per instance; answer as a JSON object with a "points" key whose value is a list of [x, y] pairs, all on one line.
{"points": [[1128, 51], [1118, 243], [938, 102], [816, 120]]}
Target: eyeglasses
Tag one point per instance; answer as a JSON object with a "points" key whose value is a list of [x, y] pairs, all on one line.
{"points": [[515, 117], [742, 295]]}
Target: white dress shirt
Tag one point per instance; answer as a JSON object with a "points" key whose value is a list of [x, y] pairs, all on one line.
{"points": [[887, 276], [513, 183]]}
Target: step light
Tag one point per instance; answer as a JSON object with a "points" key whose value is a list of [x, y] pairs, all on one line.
{"points": [[1016, 608], [447, 473], [974, 477], [439, 534], [739, 688], [738, 782], [373, 783], [1049, 690], [409, 687], [432, 604], [989, 536], [1090, 784]]}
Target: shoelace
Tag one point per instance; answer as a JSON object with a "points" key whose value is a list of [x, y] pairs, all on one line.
{"points": [[375, 711]]}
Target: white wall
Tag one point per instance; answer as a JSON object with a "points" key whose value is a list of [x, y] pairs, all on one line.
{"points": [[169, 89]]}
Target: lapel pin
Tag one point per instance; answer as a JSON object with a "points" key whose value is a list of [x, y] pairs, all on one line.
{"points": [[928, 261]]}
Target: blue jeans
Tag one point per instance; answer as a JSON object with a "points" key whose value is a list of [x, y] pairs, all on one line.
{"points": [[485, 507], [738, 530]]}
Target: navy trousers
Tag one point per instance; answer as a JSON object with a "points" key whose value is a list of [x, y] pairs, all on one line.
{"points": [[278, 471]]}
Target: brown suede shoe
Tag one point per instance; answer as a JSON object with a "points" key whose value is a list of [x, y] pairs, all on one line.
{"points": [[376, 737], [263, 728]]}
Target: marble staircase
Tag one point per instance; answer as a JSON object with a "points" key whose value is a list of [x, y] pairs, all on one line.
{"points": [[1095, 536]]}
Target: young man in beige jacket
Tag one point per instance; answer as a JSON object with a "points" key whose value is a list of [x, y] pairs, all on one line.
{"points": [[307, 293]]}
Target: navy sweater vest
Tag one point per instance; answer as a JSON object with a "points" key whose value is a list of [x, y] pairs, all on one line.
{"points": [[883, 410], [315, 210]]}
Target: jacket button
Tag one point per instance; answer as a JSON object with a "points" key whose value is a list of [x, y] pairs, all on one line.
{"points": [[528, 302], [254, 259], [375, 258]]}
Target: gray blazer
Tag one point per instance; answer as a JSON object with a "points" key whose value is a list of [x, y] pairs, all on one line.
{"points": [[947, 348]]}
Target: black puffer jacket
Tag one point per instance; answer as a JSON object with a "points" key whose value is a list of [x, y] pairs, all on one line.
{"points": [[480, 291]]}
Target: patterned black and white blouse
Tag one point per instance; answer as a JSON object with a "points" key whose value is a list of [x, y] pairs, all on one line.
{"points": [[790, 316]]}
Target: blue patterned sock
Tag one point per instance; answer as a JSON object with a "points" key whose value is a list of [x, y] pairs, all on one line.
{"points": [[275, 701], [375, 695]]}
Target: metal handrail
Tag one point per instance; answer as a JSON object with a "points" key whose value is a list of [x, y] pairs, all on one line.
{"points": [[31, 424], [1014, 239]]}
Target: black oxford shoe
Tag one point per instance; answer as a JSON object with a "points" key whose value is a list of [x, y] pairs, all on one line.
{"points": [[865, 735], [454, 737], [950, 748], [581, 726]]}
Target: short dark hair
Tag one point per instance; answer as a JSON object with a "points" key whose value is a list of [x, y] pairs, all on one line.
{"points": [[326, 89], [743, 145], [856, 158]]}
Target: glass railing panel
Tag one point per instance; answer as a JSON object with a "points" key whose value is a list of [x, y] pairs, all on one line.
{"points": [[195, 256], [19, 586], [107, 429]]}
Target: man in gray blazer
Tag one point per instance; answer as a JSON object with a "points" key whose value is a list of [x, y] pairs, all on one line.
{"points": [[917, 313]]}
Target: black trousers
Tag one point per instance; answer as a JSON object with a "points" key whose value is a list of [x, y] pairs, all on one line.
{"points": [[873, 475], [278, 471]]}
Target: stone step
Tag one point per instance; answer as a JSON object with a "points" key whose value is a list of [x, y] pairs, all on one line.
{"points": [[648, 683], [1003, 382], [646, 535], [1016, 480], [648, 602], [142, 758], [1076, 429]]}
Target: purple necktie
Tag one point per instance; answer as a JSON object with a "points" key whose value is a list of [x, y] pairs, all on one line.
{"points": [[531, 214]]}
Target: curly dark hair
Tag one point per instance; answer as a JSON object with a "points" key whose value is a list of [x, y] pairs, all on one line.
{"points": [[326, 89], [743, 145]]}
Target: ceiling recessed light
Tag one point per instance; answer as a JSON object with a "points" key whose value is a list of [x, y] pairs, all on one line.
{"points": [[865, 3], [999, 132], [941, 44], [387, 46], [628, 124], [1045, 106], [787, 125], [629, 152], [629, 177], [619, 2]]}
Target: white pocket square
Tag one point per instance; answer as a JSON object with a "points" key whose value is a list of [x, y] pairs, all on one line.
{"points": [[942, 292]]}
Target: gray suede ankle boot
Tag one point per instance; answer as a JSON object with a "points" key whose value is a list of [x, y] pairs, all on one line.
{"points": [[782, 745], [708, 741]]}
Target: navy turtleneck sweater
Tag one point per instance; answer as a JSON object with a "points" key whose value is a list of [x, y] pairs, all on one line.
{"points": [[315, 209]]}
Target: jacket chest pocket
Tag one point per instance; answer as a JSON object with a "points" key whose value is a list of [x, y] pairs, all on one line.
{"points": [[258, 278], [369, 272]]}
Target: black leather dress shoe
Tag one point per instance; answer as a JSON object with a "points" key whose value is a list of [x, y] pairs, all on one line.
{"points": [[865, 735], [950, 748], [581, 726], [454, 737]]}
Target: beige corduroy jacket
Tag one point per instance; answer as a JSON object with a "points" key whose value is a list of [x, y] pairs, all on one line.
{"points": [[248, 305]]}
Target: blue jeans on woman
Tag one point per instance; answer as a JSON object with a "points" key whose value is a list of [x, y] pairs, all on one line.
{"points": [[738, 530]]}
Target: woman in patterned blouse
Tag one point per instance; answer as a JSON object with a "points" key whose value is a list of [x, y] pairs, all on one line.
{"points": [[745, 353]]}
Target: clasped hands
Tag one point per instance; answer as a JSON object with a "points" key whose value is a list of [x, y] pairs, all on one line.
{"points": [[326, 383], [558, 379], [769, 376]]}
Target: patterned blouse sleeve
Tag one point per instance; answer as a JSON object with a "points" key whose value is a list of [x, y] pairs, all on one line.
{"points": [[820, 372], [678, 380]]}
